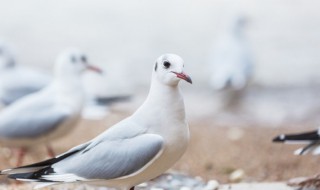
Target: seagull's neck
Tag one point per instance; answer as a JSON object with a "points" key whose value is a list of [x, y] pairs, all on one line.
{"points": [[163, 104], [69, 91], [160, 92]]}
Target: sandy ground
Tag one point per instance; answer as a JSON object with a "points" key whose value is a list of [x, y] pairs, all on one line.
{"points": [[216, 148], [242, 186], [211, 154]]}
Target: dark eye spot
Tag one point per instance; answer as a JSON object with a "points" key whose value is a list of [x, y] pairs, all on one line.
{"points": [[73, 59], [156, 67], [166, 64], [84, 59]]}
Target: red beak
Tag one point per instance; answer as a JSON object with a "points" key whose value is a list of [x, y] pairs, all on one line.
{"points": [[94, 68], [183, 76]]}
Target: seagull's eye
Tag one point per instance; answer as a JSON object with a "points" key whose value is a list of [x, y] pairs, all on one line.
{"points": [[84, 59], [166, 64]]}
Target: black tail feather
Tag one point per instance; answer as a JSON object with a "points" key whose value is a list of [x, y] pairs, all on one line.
{"points": [[35, 169], [33, 176], [49, 161], [308, 136]]}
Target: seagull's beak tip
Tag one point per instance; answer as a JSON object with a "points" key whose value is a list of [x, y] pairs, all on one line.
{"points": [[189, 80], [184, 76]]}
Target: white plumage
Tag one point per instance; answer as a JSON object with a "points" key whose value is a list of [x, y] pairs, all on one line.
{"points": [[137, 149]]}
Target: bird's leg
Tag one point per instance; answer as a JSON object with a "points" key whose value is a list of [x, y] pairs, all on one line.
{"points": [[21, 153], [50, 151], [132, 188]]}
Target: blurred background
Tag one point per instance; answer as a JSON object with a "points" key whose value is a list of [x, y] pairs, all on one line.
{"points": [[126, 37]]}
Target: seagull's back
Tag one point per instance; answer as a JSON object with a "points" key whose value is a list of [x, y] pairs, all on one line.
{"points": [[20, 81]]}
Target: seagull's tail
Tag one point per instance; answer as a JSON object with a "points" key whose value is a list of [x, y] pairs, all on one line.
{"points": [[37, 172], [33, 177], [37, 166], [312, 139], [298, 138]]}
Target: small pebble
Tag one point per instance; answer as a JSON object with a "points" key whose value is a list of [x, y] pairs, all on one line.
{"points": [[237, 176], [212, 185], [143, 185], [169, 177]]}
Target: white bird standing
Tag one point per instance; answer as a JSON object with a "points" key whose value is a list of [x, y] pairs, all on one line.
{"points": [[231, 59], [17, 81], [50, 113], [231, 65], [137, 149]]}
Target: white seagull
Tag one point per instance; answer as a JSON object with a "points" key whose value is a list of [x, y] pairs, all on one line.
{"points": [[230, 60], [137, 149], [311, 138], [50, 113], [17, 81]]}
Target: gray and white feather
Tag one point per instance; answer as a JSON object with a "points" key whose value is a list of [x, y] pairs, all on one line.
{"points": [[51, 112], [16, 80]]}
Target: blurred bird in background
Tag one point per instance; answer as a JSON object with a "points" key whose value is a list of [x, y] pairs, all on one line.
{"points": [[312, 139], [231, 62], [50, 113], [16, 80]]}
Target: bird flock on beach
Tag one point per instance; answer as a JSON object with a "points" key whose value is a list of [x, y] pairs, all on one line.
{"points": [[38, 109]]}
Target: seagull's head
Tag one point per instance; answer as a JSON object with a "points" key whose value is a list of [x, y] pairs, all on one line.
{"points": [[168, 69], [74, 62], [7, 59]]}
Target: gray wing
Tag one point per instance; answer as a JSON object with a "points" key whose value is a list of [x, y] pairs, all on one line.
{"points": [[20, 82], [109, 159], [31, 117], [13, 94]]}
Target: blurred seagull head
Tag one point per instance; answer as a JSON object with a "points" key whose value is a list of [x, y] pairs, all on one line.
{"points": [[238, 24], [7, 59], [73, 62], [168, 69]]}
